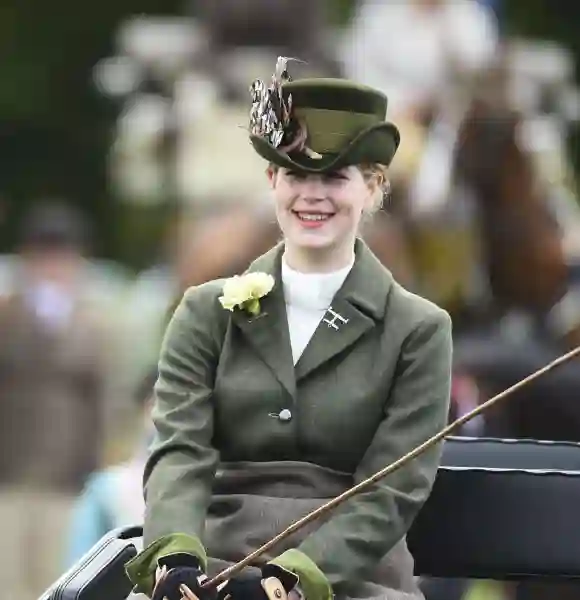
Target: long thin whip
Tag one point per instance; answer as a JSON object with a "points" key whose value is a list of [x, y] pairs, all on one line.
{"points": [[359, 487]]}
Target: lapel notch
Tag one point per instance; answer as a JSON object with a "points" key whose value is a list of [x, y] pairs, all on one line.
{"points": [[357, 307]]}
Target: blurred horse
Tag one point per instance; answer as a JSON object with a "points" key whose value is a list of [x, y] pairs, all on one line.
{"points": [[521, 242], [523, 257], [527, 272]]}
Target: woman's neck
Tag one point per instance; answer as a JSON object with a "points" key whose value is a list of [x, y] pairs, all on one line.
{"points": [[324, 260]]}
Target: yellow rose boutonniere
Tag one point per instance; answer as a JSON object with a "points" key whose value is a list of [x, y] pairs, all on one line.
{"points": [[245, 291]]}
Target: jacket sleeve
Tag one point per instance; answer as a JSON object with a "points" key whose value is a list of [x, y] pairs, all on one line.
{"points": [[363, 530], [182, 463]]}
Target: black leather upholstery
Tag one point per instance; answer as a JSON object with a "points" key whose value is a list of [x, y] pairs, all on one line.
{"points": [[502, 509]]}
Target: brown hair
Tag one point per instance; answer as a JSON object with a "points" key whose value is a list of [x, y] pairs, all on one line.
{"points": [[377, 172]]}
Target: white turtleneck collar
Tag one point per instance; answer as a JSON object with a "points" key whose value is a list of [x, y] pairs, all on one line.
{"points": [[307, 297], [312, 290]]}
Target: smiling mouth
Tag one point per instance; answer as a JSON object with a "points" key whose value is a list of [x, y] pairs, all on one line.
{"points": [[313, 217]]}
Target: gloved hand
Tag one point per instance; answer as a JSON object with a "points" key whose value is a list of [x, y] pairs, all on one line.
{"points": [[272, 583], [180, 576]]}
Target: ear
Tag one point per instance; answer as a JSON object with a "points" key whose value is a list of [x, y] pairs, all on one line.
{"points": [[373, 190], [271, 174]]}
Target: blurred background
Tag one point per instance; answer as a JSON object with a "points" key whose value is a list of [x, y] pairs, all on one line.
{"points": [[126, 176]]}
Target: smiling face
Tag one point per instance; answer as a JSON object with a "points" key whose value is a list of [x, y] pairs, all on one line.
{"points": [[319, 215]]}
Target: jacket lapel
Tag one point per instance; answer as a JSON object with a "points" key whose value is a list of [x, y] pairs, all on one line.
{"points": [[356, 308], [268, 333]]}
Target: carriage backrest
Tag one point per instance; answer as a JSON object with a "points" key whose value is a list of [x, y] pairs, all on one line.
{"points": [[502, 509]]}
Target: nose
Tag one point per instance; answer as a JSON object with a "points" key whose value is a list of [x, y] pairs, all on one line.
{"points": [[313, 189]]}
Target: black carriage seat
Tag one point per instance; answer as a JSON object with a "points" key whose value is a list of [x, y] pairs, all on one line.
{"points": [[503, 510], [500, 509]]}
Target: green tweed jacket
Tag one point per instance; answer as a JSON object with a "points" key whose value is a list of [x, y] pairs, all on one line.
{"points": [[247, 442]]}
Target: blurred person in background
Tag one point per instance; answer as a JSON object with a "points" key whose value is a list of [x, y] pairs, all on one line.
{"points": [[415, 49], [242, 30], [426, 54], [52, 400], [113, 497], [419, 51]]}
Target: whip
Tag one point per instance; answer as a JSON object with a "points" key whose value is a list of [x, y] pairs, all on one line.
{"points": [[328, 506]]}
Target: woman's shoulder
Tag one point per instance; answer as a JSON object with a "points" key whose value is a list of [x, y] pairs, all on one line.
{"points": [[205, 295], [199, 306], [415, 310]]}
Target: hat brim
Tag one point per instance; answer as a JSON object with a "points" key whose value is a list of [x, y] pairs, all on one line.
{"points": [[376, 144]]}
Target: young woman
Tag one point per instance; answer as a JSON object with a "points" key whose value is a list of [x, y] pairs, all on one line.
{"points": [[281, 388]]}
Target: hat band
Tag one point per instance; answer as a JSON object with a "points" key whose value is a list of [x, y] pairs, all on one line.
{"points": [[329, 131]]}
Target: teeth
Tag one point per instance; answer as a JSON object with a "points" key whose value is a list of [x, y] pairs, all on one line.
{"points": [[312, 217]]}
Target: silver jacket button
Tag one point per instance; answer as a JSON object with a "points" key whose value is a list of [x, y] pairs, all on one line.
{"points": [[285, 415]]}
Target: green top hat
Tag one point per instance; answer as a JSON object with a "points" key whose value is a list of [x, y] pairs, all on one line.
{"points": [[320, 125]]}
